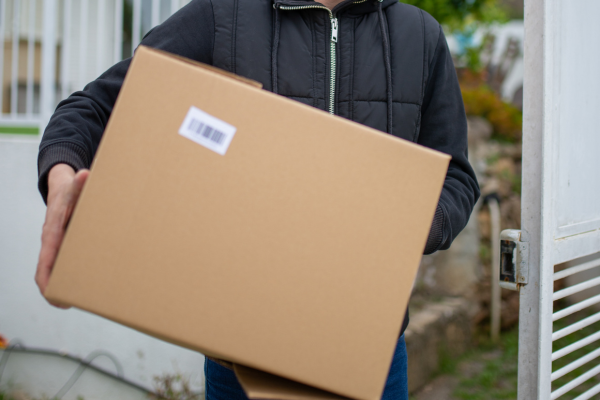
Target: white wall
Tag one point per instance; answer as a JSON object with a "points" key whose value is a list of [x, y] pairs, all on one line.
{"points": [[25, 315], [44, 376]]}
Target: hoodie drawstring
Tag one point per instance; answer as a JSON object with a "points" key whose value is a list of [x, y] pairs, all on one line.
{"points": [[274, 50], [388, 66]]}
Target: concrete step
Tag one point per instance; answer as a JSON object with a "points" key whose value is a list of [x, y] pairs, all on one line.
{"points": [[436, 330]]}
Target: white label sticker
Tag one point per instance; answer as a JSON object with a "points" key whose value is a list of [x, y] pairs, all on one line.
{"points": [[207, 130]]}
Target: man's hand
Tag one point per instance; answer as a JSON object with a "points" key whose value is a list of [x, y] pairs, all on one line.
{"points": [[64, 188]]}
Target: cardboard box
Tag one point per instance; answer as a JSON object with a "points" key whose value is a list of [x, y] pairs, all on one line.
{"points": [[252, 228]]}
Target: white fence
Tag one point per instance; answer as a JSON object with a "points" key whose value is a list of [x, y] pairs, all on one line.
{"points": [[51, 48]]}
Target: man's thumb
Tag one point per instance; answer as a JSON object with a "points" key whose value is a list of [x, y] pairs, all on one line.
{"points": [[79, 180]]}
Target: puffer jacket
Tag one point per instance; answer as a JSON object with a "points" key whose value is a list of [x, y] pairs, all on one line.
{"points": [[380, 63]]}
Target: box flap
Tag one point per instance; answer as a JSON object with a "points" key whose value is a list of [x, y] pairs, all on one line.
{"points": [[262, 385], [214, 69]]}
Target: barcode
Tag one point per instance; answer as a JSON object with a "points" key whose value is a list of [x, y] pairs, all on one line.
{"points": [[206, 131]]}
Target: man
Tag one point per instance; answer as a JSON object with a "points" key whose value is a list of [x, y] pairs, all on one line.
{"points": [[378, 62]]}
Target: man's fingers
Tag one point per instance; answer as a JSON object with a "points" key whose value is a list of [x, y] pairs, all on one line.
{"points": [[42, 277], [58, 305], [57, 216], [51, 239]]}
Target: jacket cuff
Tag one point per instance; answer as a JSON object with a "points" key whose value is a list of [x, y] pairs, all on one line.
{"points": [[436, 234], [59, 153]]}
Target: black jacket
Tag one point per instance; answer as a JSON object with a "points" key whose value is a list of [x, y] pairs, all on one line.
{"points": [[383, 63]]}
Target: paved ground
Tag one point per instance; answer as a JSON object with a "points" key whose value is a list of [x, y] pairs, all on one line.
{"points": [[440, 388]]}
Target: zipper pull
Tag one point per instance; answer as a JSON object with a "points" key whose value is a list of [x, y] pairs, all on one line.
{"points": [[334, 29]]}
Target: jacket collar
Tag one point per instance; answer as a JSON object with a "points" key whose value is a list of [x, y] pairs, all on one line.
{"points": [[362, 7]]}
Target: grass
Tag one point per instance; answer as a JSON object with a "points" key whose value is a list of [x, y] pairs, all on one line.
{"points": [[486, 372], [489, 371], [19, 130]]}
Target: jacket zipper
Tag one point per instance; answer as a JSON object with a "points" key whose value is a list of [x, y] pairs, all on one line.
{"points": [[332, 46]]}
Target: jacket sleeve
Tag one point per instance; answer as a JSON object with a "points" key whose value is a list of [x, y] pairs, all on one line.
{"points": [[74, 131], [444, 128]]}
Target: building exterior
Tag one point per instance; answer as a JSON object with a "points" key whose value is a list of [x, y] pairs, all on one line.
{"points": [[51, 48]]}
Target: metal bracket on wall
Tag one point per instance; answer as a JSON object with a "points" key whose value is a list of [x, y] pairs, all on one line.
{"points": [[514, 259]]}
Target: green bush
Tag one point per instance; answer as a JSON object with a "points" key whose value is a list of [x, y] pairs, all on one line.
{"points": [[505, 118], [459, 14]]}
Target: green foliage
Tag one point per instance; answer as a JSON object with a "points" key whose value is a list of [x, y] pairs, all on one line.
{"points": [[458, 15], [462, 18], [505, 118]]}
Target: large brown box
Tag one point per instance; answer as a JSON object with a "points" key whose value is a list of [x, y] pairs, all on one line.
{"points": [[292, 251]]}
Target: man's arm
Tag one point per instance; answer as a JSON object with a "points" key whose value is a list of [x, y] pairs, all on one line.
{"points": [[74, 131], [444, 128]]}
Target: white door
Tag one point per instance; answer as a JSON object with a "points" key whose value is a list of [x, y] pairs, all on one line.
{"points": [[561, 198]]}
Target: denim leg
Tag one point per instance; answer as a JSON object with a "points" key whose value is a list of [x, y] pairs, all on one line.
{"points": [[396, 387], [221, 383]]}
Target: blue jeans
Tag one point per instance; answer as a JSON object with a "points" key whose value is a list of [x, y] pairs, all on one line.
{"points": [[221, 383]]}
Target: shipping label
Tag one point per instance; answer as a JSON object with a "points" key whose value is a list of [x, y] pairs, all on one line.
{"points": [[206, 130]]}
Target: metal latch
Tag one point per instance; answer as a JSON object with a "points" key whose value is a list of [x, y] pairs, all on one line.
{"points": [[514, 259]]}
